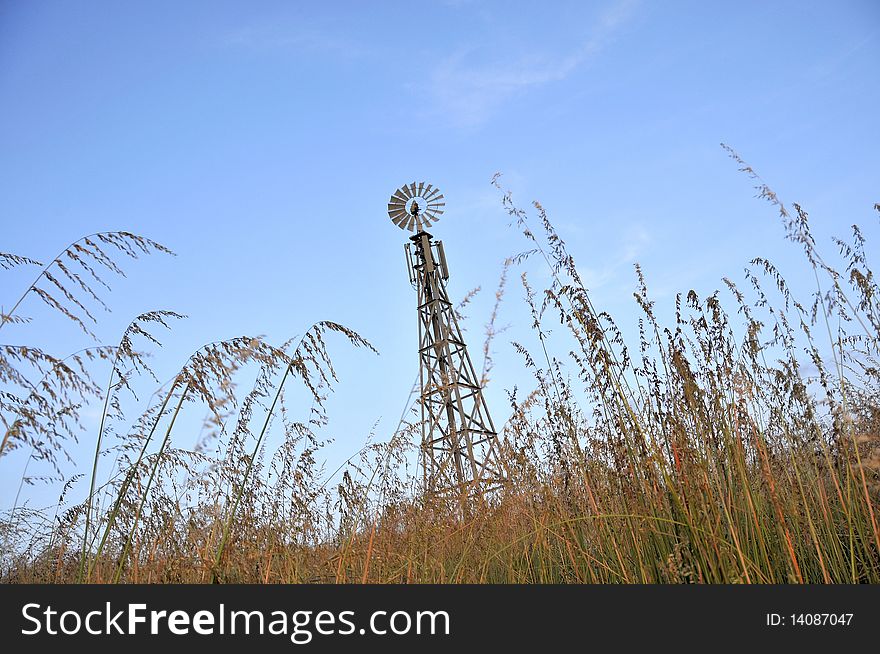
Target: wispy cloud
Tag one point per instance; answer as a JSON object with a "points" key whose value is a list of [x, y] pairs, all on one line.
{"points": [[468, 92], [277, 37], [636, 241]]}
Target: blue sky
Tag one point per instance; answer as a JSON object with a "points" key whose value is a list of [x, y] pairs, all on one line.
{"points": [[261, 140]]}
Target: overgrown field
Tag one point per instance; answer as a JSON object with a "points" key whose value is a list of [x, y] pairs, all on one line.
{"points": [[740, 443]]}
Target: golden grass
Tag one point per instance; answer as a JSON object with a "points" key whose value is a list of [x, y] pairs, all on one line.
{"points": [[704, 453]]}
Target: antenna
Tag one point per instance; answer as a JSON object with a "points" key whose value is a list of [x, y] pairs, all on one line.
{"points": [[459, 442]]}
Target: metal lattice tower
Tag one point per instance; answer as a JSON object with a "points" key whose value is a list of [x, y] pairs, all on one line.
{"points": [[459, 443]]}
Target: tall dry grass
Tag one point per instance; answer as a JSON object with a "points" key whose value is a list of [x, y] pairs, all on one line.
{"points": [[739, 443]]}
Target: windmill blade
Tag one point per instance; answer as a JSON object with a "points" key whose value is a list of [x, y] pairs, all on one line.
{"points": [[432, 195], [412, 187], [409, 225]]}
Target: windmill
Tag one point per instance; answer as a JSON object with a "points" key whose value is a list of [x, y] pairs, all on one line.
{"points": [[459, 443]]}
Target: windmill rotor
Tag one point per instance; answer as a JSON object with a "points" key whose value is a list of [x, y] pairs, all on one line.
{"points": [[416, 206]]}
